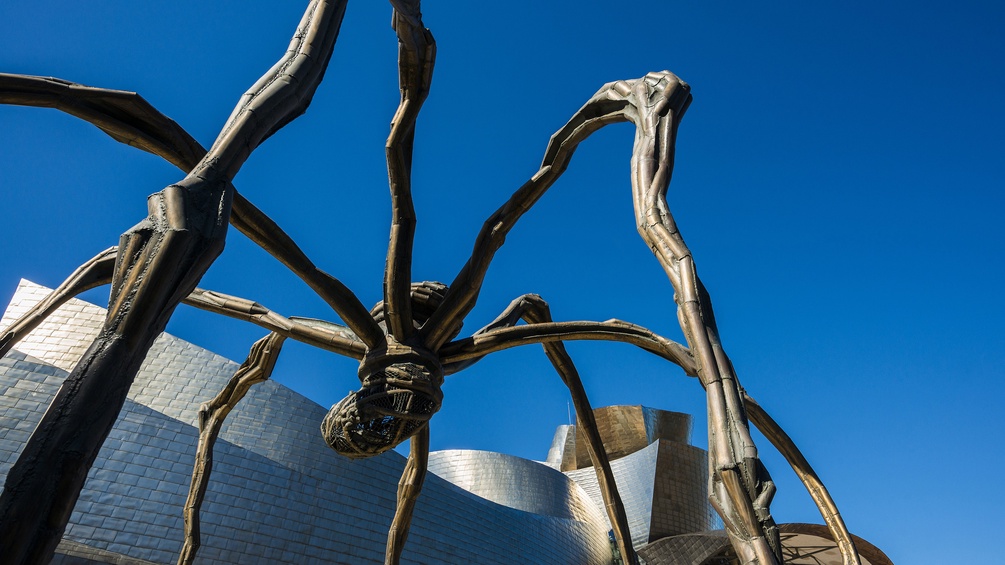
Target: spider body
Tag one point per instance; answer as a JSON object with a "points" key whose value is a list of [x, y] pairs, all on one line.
{"points": [[400, 389], [400, 392]]}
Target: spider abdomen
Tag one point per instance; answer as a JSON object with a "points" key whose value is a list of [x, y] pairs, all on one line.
{"points": [[393, 404]]}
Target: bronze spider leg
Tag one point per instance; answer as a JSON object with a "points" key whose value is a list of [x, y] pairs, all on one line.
{"points": [[534, 310], [160, 262], [125, 116], [821, 497], [466, 286], [318, 333], [256, 368], [459, 354], [409, 487], [741, 489], [416, 56], [94, 273], [128, 118], [99, 270]]}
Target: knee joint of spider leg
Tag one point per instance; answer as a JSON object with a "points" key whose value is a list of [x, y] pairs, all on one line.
{"points": [[731, 467], [400, 392], [535, 301]]}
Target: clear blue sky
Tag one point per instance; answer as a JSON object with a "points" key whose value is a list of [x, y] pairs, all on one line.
{"points": [[839, 178]]}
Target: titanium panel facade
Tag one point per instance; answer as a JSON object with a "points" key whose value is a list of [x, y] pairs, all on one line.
{"points": [[634, 476], [277, 494], [663, 483], [627, 429], [517, 483]]}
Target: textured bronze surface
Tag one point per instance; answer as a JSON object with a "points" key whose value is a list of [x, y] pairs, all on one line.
{"points": [[408, 342], [627, 429], [257, 368]]}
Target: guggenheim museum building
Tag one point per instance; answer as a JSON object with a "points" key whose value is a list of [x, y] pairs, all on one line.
{"points": [[279, 494]]}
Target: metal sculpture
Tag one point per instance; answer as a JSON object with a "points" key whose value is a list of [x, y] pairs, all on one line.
{"points": [[408, 342]]}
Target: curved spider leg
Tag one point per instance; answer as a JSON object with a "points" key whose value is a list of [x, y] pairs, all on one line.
{"points": [[460, 354], [534, 310], [128, 118], [160, 262], [740, 487], [98, 271], [416, 56], [256, 368], [94, 273], [821, 497], [460, 299], [319, 333], [262, 230], [125, 116], [409, 487]]}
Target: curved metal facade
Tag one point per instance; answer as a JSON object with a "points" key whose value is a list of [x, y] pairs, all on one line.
{"points": [[278, 494], [663, 480], [516, 483]]}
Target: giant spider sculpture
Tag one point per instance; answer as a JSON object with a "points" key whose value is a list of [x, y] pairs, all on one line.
{"points": [[408, 342]]}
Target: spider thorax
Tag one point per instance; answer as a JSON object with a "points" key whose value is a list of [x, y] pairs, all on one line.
{"points": [[400, 393]]}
